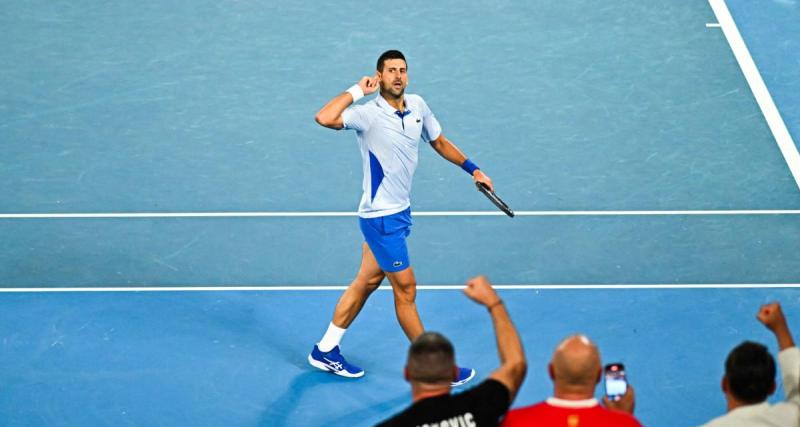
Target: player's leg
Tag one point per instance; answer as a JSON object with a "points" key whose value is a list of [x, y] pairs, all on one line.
{"points": [[395, 262], [368, 279], [404, 286], [386, 237], [326, 354]]}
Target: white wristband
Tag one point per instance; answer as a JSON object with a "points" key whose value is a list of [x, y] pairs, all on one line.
{"points": [[356, 92]]}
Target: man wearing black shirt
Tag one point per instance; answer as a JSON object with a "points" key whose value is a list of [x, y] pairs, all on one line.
{"points": [[431, 368]]}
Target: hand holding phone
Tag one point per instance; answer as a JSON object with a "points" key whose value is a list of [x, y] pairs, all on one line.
{"points": [[616, 383], [619, 394]]}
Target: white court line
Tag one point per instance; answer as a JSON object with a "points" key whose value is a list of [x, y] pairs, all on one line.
{"points": [[757, 86], [387, 288], [713, 25], [423, 213]]}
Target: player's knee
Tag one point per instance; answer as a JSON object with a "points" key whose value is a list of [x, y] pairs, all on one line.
{"points": [[406, 291]]}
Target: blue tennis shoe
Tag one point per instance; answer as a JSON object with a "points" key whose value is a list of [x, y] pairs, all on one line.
{"points": [[334, 362], [464, 376]]}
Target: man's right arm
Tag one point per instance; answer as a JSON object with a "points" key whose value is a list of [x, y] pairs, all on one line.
{"points": [[330, 115], [772, 317], [513, 366]]}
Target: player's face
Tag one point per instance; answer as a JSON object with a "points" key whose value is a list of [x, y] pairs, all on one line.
{"points": [[394, 77]]}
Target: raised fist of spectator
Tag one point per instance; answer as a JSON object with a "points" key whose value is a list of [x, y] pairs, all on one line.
{"points": [[480, 290], [771, 316]]}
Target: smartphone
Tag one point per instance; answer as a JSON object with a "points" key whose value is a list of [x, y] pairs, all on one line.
{"points": [[615, 381]]}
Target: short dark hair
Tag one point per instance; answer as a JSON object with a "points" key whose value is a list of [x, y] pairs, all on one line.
{"points": [[431, 359], [390, 54], [750, 371]]}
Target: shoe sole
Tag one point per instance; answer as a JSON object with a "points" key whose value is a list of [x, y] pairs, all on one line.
{"points": [[464, 381], [321, 366]]}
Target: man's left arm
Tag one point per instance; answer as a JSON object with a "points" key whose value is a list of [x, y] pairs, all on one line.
{"points": [[449, 151]]}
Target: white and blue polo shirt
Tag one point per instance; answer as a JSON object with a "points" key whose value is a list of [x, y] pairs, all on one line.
{"points": [[389, 142]]}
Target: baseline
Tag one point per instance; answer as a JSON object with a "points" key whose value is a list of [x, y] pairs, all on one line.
{"points": [[420, 214], [388, 288]]}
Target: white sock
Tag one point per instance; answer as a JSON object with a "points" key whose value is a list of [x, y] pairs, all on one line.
{"points": [[332, 338]]}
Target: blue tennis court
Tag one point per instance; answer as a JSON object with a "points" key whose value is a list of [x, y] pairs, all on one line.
{"points": [[178, 230]]}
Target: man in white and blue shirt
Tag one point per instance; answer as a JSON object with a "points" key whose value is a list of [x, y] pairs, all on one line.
{"points": [[750, 378], [389, 129]]}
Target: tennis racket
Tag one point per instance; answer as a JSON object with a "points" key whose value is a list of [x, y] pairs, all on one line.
{"points": [[483, 188]]}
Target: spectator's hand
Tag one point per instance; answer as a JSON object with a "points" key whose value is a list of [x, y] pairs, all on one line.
{"points": [[772, 317], [624, 404], [480, 290]]}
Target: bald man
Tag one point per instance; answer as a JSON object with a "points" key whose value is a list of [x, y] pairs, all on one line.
{"points": [[576, 370]]}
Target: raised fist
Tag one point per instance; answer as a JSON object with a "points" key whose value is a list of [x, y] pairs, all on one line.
{"points": [[480, 290]]}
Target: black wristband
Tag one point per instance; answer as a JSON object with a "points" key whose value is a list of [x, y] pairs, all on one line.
{"points": [[490, 307]]}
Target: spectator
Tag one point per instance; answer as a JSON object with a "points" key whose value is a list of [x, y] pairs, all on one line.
{"points": [[750, 378], [575, 370], [431, 368]]}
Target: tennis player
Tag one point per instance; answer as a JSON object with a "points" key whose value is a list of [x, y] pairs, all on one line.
{"points": [[389, 128]]}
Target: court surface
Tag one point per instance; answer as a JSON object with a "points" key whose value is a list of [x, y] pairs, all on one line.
{"points": [[177, 229]]}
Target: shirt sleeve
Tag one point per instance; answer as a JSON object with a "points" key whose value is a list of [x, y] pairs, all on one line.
{"points": [[789, 361], [431, 129], [492, 398], [356, 117]]}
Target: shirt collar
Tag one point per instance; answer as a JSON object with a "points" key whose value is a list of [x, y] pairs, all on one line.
{"points": [[748, 409], [564, 403], [391, 110]]}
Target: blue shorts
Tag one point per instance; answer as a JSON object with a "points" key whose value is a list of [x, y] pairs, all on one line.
{"points": [[386, 237]]}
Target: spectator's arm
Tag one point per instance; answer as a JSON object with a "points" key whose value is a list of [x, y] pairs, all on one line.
{"points": [[772, 317], [789, 361], [513, 366]]}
